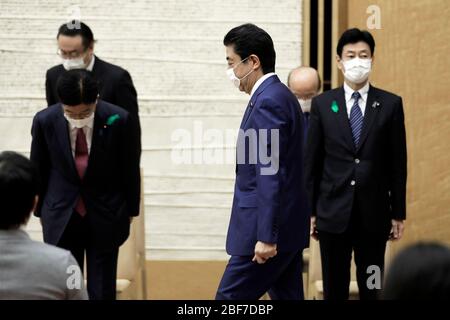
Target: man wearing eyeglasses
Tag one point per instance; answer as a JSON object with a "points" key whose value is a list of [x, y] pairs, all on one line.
{"points": [[76, 49]]}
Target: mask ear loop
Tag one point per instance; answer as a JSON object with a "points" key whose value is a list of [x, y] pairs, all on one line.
{"points": [[247, 73]]}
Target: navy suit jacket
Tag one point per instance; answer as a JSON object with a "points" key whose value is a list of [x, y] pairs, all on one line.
{"points": [[372, 174], [110, 187], [270, 208]]}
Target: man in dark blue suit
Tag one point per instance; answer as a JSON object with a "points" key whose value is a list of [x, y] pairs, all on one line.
{"points": [[90, 181], [269, 226]]}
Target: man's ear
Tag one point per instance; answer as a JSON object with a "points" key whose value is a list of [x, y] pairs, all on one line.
{"points": [[256, 62], [339, 63]]}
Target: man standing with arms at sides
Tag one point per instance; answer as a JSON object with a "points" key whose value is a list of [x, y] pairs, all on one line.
{"points": [[356, 171], [305, 84], [269, 225]]}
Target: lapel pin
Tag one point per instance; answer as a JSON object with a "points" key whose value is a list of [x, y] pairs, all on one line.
{"points": [[112, 119], [334, 106], [376, 104]]}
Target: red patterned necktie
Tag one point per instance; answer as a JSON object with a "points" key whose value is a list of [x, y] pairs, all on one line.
{"points": [[81, 162]]}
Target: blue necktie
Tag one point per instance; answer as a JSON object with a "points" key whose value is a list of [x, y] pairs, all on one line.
{"points": [[356, 118]]}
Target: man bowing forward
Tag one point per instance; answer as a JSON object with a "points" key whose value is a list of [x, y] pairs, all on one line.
{"points": [[88, 162]]}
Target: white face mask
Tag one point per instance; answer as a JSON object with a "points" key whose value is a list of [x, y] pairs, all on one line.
{"points": [[70, 64], [357, 70], [232, 76], [80, 123], [305, 105]]}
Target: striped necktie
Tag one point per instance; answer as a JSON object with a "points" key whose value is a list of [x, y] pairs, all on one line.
{"points": [[356, 118]]}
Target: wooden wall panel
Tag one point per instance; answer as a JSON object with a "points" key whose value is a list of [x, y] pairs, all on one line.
{"points": [[411, 59]]}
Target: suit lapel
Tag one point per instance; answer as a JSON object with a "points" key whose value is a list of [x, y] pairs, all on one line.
{"points": [[252, 103], [369, 116], [261, 88], [62, 132], [247, 112], [342, 118], [99, 121]]}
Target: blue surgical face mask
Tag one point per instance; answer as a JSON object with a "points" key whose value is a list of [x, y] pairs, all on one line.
{"points": [[232, 76]]}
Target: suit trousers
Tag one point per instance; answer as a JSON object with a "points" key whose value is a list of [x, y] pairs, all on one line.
{"points": [[101, 264], [336, 254], [280, 276]]}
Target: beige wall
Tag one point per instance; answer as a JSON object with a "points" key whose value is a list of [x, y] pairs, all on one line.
{"points": [[412, 60], [174, 52]]}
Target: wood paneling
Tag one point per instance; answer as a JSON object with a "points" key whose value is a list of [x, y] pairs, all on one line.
{"points": [[412, 61], [183, 280]]}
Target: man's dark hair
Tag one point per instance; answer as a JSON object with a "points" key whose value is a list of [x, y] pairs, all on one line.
{"points": [[248, 39], [18, 189], [77, 86], [71, 29], [421, 271], [355, 35]]}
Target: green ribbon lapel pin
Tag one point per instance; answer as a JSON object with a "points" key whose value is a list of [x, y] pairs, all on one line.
{"points": [[112, 119], [334, 106]]}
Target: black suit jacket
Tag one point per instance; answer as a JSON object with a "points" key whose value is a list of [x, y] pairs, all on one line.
{"points": [[115, 86], [111, 185], [377, 167]]}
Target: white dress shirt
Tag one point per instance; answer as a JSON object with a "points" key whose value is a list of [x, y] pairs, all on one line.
{"points": [[364, 92], [90, 66], [87, 132], [260, 81]]}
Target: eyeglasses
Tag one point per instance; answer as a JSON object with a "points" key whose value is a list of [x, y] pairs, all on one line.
{"points": [[70, 55]]}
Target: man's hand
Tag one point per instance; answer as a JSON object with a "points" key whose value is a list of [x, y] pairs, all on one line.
{"points": [[264, 251], [314, 234], [397, 230]]}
